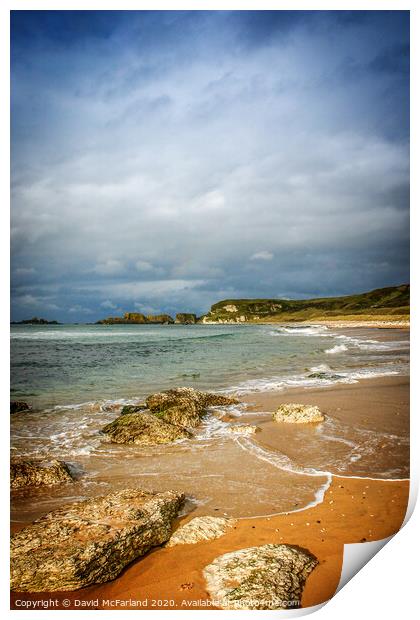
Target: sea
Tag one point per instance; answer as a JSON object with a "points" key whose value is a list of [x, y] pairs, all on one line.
{"points": [[77, 376]]}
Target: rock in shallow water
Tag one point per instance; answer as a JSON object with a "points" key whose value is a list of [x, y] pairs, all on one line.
{"points": [[200, 528], [266, 577], [133, 408], [298, 414], [90, 541], [185, 406], [37, 473], [143, 428], [17, 406], [168, 416], [243, 429]]}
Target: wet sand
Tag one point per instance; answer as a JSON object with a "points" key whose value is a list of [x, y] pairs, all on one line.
{"points": [[366, 432], [353, 510]]}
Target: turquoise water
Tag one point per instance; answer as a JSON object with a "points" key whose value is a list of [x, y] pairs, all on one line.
{"points": [[70, 364], [77, 377]]}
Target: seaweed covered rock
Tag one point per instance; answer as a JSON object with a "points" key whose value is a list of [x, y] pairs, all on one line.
{"points": [[266, 577], [298, 414], [37, 472], [185, 406], [165, 417], [133, 408], [200, 528], [143, 428], [91, 541], [17, 406]]}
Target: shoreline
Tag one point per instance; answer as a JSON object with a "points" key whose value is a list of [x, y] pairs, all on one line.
{"points": [[376, 507]]}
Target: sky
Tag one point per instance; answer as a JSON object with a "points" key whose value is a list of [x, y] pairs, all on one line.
{"points": [[164, 161]]}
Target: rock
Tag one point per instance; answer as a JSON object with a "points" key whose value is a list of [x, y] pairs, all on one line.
{"points": [[298, 414], [35, 321], [135, 317], [200, 528], [185, 406], [143, 429], [186, 318], [91, 541], [133, 408], [165, 417], [37, 473], [17, 406], [210, 399], [243, 429], [266, 577], [185, 415], [111, 407], [160, 319], [327, 376]]}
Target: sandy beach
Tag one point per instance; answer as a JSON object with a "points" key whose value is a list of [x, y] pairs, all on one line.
{"points": [[355, 509]]}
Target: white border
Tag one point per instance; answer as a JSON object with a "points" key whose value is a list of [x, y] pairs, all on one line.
{"points": [[374, 590]]}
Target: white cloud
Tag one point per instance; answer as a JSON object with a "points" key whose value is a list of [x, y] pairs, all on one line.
{"points": [[134, 290], [37, 302], [182, 159], [142, 265], [263, 255], [80, 310], [108, 304], [109, 267]]}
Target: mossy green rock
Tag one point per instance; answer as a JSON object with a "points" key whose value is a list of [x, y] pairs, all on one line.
{"points": [[165, 417], [185, 406], [133, 408], [143, 428]]}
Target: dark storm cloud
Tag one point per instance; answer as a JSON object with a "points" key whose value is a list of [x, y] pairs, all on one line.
{"points": [[162, 161]]}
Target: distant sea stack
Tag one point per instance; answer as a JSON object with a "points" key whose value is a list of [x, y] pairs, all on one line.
{"points": [[186, 318], [136, 318], [162, 319], [35, 321]]}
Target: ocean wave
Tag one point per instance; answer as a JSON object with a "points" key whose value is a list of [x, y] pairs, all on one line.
{"points": [[338, 348], [283, 462], [79, 335], [320, 376], [373, 345], [106, 334], [309, 330]]}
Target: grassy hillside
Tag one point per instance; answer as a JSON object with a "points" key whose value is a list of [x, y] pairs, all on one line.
{"points": [[380, 304]]}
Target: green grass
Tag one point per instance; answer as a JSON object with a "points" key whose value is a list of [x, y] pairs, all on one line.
{"points": [[391, 303]]}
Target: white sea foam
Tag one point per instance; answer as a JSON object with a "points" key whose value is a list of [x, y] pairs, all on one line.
{"points": [[310, 330], [320, 368], [338, 348], [281, 461], [79, 335], [328, 377], [212, 426], [373, 345]]}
